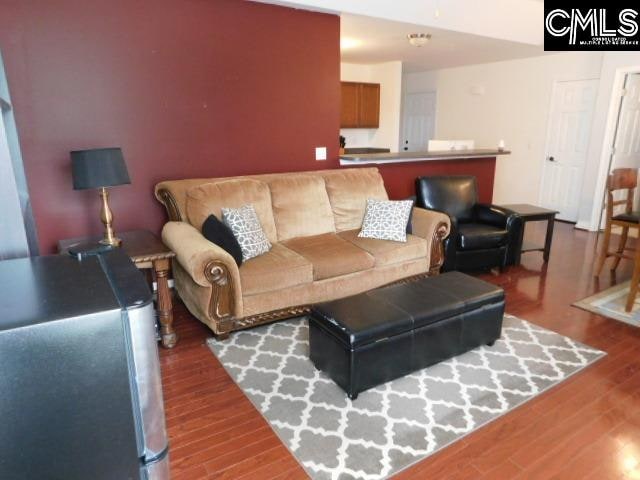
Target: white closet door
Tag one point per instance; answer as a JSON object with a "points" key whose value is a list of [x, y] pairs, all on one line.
{"points": [[627, 146], [572, 108], [419, 121]]}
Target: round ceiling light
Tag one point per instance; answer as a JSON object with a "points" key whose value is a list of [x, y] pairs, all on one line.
{"points": [[419, 39], [347, 43]]}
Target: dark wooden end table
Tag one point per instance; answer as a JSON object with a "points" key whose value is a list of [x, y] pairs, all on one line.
{"points": [[147, 252], [532, 213]]}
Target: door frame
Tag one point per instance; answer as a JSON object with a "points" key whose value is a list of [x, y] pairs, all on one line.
{"points": [[402, 112], [15, 155], [551, 111], [607, 143]]}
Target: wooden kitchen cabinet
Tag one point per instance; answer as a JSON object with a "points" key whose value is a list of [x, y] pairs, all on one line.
{"points": [[369, 108], [349, 105], [360, 105]]}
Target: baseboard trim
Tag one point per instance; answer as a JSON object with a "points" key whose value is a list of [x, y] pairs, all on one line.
{"points": [[582, 225]]}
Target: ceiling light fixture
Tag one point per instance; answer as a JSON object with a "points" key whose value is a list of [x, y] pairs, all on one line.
{"points": [[419, 39], [347, 42]]}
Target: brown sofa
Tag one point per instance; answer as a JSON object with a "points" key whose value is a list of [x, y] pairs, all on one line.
{"points": [[312, 219]]}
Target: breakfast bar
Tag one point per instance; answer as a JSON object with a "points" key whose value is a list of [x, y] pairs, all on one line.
{"points": [[400, 169], [427, 156]]}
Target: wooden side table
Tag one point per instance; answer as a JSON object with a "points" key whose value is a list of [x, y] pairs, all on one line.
{"points": [[147, 252], [532, 213]]}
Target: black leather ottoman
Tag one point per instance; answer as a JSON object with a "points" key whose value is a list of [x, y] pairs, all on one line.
{"points": [[374, 337]]}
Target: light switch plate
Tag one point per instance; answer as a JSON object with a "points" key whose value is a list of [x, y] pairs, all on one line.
{"points": [[321, 153]]}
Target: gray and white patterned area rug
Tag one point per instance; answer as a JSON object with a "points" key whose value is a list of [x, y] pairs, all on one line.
{"points": [[395, 425]]}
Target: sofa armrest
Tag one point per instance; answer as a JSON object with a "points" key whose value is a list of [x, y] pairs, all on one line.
{"points": [[434, 227], [194, 252], [209, 266]]}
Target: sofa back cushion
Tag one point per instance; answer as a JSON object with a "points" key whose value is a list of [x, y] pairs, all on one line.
{"points": [[348, 192], [301, 206], [347, 189], [210, 198]]}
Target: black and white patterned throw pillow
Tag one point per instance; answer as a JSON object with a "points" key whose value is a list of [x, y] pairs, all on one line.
{"points": [[386, 219], [245, 225]]}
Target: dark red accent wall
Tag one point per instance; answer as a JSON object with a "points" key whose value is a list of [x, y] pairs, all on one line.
{"points": [[187, 88], [400, 178]]}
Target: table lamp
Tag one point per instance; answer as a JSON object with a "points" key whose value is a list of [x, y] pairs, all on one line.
{"points": [[100, 168]]}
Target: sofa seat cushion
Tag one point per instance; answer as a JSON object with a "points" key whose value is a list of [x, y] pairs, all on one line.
{"points": [[331, 255], [388, 252], [278, 269], [479, 236]]}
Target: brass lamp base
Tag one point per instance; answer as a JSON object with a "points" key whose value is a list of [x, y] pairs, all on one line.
{"points": [[114, 242], [107, 219]]}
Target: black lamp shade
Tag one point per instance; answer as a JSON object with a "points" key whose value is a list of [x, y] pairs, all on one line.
{"points": [[99, 167]]}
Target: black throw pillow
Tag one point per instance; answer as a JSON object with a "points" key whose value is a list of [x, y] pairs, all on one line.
{"points": [[409, 225], [217, 232]]}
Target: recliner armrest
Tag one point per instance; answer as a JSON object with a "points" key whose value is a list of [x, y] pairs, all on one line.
{"points": [[493, 215], [503, 218]]}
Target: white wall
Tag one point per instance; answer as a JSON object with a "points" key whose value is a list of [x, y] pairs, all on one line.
{"points": [[389, 76], [514, 108], [614, 65]]}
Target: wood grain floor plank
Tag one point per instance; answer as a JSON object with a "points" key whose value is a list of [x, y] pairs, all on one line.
{"points": [[224, 452], [193, 472], [294, 474], [543, 466], [259, 445], [218, 436], [284, 465], [502, 471]]}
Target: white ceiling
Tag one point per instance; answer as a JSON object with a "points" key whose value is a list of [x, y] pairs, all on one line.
{"points": [[377, 40], [512, 20]]}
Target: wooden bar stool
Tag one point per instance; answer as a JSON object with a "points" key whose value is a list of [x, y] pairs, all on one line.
{"points": [[621, 179]]}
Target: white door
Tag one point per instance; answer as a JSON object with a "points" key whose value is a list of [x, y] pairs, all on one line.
{"points": [[626, 145], [626, 153], [569, 128], [418, 122]]}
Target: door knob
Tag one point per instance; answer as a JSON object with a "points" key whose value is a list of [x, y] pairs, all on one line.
{"points": [[551, 159]]}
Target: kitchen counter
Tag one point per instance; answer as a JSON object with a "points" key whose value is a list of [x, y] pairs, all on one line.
{"points": [[402, 157], [367, 150]]}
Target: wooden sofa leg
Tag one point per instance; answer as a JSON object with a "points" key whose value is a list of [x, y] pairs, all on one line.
{"points": [[222, 336]]}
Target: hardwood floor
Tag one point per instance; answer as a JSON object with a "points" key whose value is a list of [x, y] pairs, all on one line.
{"points": [[588, 427]]}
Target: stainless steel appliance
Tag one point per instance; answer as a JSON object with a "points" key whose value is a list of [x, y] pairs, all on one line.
{"points": [[80, 386]]}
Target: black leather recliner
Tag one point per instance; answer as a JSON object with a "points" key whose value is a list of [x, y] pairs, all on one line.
{"points": [[482, 235]]}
